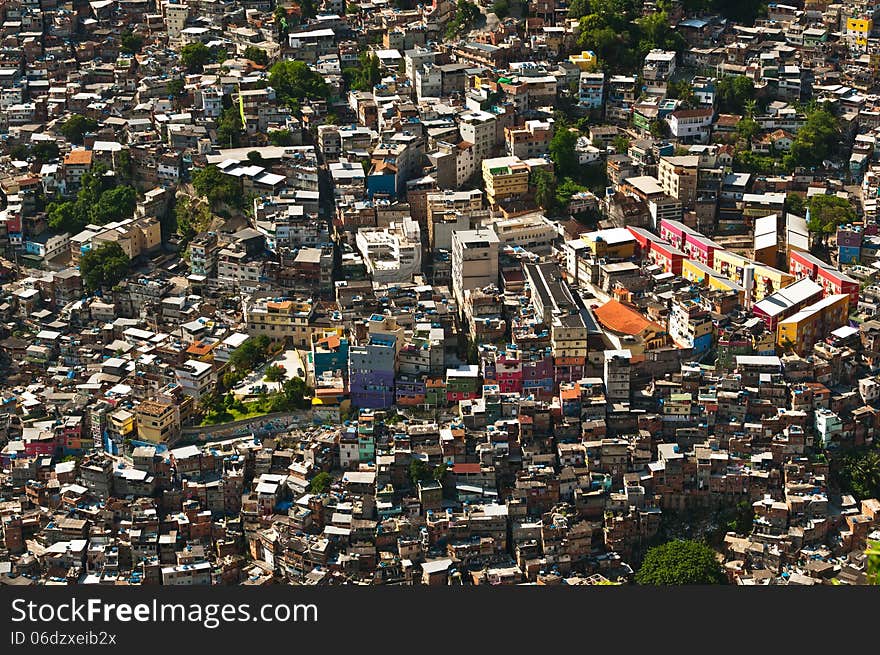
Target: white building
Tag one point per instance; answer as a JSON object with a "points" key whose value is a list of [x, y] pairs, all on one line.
{"points": [[195, 378], [392, 254], [474, 261], [478, 128]]}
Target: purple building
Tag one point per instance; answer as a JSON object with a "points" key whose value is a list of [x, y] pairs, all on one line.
{"points": [[538, 373], [371, 372]]}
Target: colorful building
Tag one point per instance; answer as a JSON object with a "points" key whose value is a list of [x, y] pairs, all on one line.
{"points": [[329, 352], [667, 257], [786, 302], [408, 391], [813, 323], [463, 383], [615, 243], [759, 280], [371, 369], [803, 264]]}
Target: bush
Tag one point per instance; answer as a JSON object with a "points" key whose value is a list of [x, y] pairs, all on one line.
{"points": [[680, 563], [320, 483]]}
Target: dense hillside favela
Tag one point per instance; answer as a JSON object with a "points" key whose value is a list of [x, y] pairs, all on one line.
{"points": [[315, 292]]}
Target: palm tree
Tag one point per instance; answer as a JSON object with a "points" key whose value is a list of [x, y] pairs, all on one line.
{"points": [[750, 107]]}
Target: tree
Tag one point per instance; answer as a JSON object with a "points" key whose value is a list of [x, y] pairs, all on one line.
{"points": [[44, 150], [419, 471], [281, 23], [275, 373], [680, 563], [464, 19], [794, 203], [256, 55], [195, 56], [365, 75], [76, 127], [621, 144], [320, 483], [229, 127], [104, 266], [578, 8], [654, 31], [175, 87], [858, 473], [250, 354], [281, 138], [733, 92], [814, 141], [501, 8], [562, 152], [682, 90], [545, 188], [294, 82], [191, 217], [114, 204], [296, 394], [131, 43], [659, 129], [566, 190], [747, 129], [827, 212], [217, 187], [740, 11], [69, 216]]}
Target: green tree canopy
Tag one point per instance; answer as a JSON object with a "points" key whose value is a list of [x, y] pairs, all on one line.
{"points": [[365, 75], [104, 266], [578, 8], [733, 92], [229, 127], [275, 373], [218, 188], [294, 82], [256, 55], [680, 563], [858, 473], [131, 43], [281, 138], [464, 19], [545, 188], [250, 354], [827, 212], [195, 56], [814, 141], [794, 203], [747, 129], [76, 127], [191, 217], [114, 204], [320, 483], [562, 152], [501, 8]]}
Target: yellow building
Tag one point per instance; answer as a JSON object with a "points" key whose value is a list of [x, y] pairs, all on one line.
{"points": [[122, 421], [720, 282], [157, 421], [800, 331], [613, 243], [760, 279], [858, 30], [697, 272], [586, 60], [135, 237], [284, 320], [505, 177]]}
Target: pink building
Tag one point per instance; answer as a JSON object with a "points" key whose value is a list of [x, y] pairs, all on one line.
{"points": [[667, 257]]}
